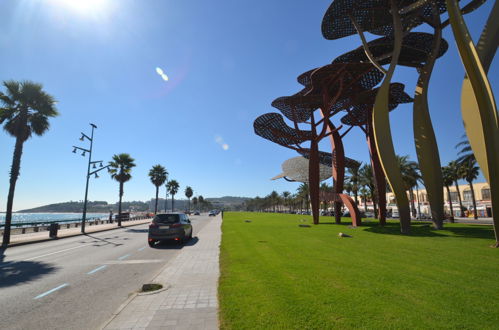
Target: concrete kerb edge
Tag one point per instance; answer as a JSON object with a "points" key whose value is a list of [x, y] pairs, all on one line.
{"points": [[68, 236]]}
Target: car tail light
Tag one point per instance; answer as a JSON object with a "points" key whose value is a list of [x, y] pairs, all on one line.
{"points": [[153, 225], [176, 225]]}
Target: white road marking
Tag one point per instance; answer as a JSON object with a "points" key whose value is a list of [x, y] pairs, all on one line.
{"points": [[50, 291], [144, 261], [142, 248], [96, 269], [60, 251]]}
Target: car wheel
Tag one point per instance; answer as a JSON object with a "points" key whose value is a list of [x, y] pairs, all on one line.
{"points": [[151, 243]]}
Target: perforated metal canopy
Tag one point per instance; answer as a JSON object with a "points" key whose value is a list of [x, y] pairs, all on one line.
{"points": [[298, 107], [416, 48], [296, 169], [327, 158], [362, 103], [271, 126]]}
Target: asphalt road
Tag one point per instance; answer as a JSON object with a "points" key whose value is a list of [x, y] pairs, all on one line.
{"points": [[78, 282]]}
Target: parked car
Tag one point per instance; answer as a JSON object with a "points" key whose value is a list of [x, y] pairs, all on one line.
{"points": [[170, 226], [196, 213], [212, 213]]}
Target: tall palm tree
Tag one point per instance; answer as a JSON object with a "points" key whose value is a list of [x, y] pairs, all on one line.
{"points": [[188, 193], [410, 176], [274, 199], [24, 109], [172, 187], [120, 168], [470, 172], [353, 178], [455, 169], [158, 176], [363, 192], [465, 152], [285, 195], [366, 179], [303, 193], [448, 181]]}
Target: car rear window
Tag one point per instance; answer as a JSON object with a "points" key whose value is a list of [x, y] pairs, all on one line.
{"points": [[166, 218]]}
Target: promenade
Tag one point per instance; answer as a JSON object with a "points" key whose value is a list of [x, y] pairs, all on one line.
{"points": [[191, 282]]}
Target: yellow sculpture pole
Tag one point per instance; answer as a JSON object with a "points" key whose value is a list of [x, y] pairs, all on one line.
{"points": [[424, 135], [485, 112], [486, 49], [382, 131]]}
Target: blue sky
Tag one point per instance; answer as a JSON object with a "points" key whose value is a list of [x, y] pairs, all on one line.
{"points": [[226, 61]]}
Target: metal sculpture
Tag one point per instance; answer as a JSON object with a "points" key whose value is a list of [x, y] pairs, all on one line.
{"points": [[360, 114], [296, 170]]}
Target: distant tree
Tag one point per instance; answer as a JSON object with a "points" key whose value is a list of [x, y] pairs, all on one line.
{"points": [[24, 109], [285, 195], [353, 179], [195, 202], [410, 176], [274, 199], [304, 194], [366, 179], [172, 187], [158, 176], [470, 172], [448, 181], [201, 202], [188, 193], [456, 172], [120, 168]]}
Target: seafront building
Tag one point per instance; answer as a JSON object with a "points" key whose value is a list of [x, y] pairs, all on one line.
{"points": [[482, 196]]}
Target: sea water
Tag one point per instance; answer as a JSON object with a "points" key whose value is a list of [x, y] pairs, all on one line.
{"points": [[19, 218]]}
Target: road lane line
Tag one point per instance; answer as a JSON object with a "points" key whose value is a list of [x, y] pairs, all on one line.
{"points": [[50, 291], [49, 254], [123, 257], [142, 248], [96, 269]]}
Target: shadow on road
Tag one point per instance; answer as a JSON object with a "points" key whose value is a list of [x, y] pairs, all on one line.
{"points": [[18, 272], [173, 245], [137, 230]]}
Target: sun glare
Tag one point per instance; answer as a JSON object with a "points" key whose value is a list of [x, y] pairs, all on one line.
{"points": [[83, 6]]}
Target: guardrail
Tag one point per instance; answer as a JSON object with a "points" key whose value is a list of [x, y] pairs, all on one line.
{"points": [[34, 227]]}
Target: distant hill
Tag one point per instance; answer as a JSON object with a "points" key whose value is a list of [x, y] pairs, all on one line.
{"points": [[226, 202]]}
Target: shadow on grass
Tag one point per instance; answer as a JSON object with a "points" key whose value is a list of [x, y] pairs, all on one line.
{"points": [[16, 272], [427, 230]]}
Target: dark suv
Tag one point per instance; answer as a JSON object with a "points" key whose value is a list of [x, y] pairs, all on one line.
{"points": [[170, 226]]}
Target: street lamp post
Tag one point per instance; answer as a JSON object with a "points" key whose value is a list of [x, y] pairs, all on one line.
{"points": [[90, 163]]}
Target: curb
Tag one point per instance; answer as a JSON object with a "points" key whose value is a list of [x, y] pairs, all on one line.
{"points": [[68, 236]]}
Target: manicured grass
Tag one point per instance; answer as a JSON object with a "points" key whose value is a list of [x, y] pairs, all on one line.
{"points": [[277, 275]]}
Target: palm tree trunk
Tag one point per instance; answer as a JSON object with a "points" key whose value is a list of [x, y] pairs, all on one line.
{"points": [[459, 199], [450, 203], [411, 195], [173, 202], [475, 212], [189, 205], [355, 195], [156, 204], [119, 204], [14, 174]]}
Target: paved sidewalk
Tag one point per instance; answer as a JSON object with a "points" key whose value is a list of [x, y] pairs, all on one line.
{"points": [[44, 235], [190, 302]]}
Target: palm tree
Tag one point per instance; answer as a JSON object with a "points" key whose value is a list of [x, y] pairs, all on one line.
{"points": [[172, 187], [303, 193], [158, 176], [25, 109], [363, 192], [201, 201], [411, 176], [285, 195], [188, 193], [455, 169], [470, 172], [353, 180], [120, 168], [465, 153], [448, 180], [274, 199], [195, 202], [366, 179]]}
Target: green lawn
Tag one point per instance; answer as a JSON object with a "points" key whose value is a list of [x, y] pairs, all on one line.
{"points": [[277, 275]]}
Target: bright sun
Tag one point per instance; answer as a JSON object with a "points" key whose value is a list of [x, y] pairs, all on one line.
{"points": [[83, 6]]}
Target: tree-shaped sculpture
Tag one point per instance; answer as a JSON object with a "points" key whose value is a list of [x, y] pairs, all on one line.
{"points": [[360, 114], [328, 85], [394, 18]]}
